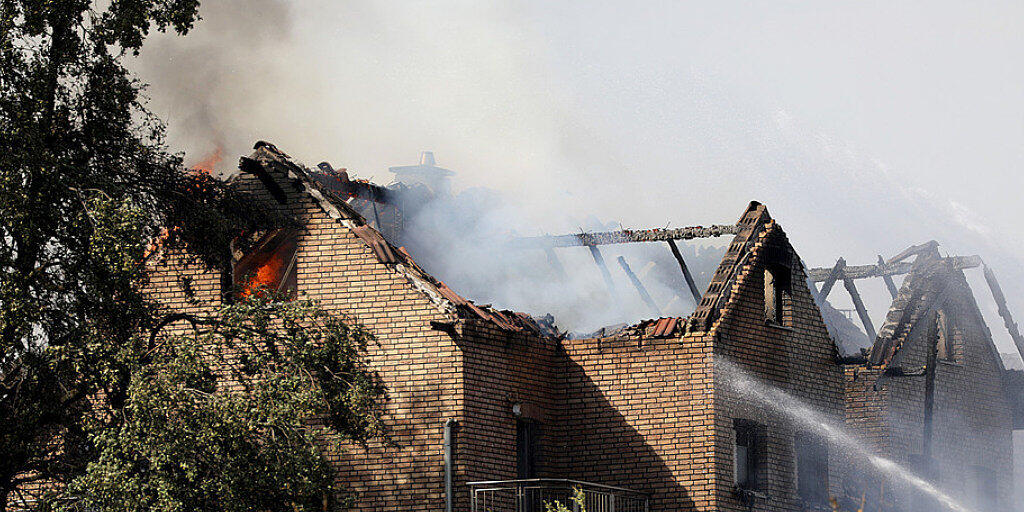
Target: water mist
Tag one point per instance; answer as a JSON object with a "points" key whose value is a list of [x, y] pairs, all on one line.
{"points": [[779, 402]]}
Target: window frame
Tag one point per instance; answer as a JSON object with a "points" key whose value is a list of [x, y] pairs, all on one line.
{"points": [[527, 444], [811, 457], [984, 489], [754, 434], [778, 280], [279, 240]]}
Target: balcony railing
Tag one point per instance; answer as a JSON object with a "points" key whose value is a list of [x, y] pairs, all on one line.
{"points": [[531, 495]]}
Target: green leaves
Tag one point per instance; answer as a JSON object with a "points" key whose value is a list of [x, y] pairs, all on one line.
{"points": [[578, 499], [88, 408], [233, 416]]}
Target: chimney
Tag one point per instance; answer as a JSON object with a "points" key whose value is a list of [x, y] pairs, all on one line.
{"points": [[426, 173]]}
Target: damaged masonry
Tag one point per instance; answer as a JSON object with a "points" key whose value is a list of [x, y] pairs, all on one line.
{"points": [[493, 409]]}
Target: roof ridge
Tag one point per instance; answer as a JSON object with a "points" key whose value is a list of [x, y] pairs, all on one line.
{"points": [[753, 224]]}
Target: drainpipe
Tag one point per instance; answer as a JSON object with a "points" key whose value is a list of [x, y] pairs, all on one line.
{"points": [[448, 497]]}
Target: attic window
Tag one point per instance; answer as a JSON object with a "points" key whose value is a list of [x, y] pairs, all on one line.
{"points": [[945, 344], [269, 266], [776, 288]]}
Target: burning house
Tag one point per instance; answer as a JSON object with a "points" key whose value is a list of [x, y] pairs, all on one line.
{"points": [[496, 410], [929, 390]]}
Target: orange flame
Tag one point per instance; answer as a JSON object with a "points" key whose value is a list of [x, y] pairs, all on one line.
{"points": [[210, 162], [267, 277], [270, 273], [158, 243]]}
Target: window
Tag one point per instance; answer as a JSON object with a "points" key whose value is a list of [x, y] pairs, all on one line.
{"points": [[984, 491], [526, 448], [268, 264], [776, 287], [946, 350], [747, 453], [811, 468], [914, 499]]}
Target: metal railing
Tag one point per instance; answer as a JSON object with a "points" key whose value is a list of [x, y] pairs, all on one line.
{"points": [[531, 495]]}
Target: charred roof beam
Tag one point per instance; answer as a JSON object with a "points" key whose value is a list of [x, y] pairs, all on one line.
{"points": [[820, 274], [626, 236], [1004, 312], [833, 274]]}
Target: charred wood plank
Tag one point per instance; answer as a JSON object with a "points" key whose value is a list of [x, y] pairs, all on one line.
{"points": [[887, 278], [913, 250], [997, 294], [859, 304], [646, 297], [686, 271], [830, 279], [625, 236], [929, 384], [596, 253], [889, 269]]}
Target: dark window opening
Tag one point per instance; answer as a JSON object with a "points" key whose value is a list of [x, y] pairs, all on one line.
{"points": [[776, 289], [811, 468], [984, 489], [268, 266], [914, 499], [526, 448], [748, 450], [945, 344]]}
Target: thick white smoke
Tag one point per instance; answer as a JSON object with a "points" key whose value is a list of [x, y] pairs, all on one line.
{"points": [[639, 116], [864, 130]]}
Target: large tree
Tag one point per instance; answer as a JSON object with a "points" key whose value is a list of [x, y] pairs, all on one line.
{"points": [[95, 402]]}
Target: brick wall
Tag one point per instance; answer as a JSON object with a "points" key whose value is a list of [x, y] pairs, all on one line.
{"points": [[972, 419], [502, 370], [636, 413], [797, 357], [419, 365]]}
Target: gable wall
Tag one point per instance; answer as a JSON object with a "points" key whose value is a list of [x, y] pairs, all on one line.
{"points": [[419, 365], [972, 418], [798, 358]]}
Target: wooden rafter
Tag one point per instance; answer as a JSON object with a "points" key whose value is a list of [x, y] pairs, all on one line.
{"points": [[851, 287], [888, 269], [830, 279], [887, 278], [646, 297], [997, 294], [686, 271], [596, 253], [626, 236]]}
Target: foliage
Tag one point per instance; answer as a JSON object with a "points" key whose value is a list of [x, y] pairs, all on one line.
{"points": [[222, 418], [578, 498], [86, 183]]}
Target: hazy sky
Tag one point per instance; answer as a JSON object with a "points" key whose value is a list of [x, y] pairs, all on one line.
{"points": [[865, 127]]}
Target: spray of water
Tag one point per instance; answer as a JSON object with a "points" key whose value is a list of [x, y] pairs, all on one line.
{"points": [[779, 402]]}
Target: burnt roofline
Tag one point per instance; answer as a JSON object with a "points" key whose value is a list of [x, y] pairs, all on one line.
{"points": [[820, 274], [625, 236]]}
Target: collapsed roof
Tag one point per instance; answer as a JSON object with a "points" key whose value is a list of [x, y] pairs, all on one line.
{"points": [[930, 282], [337, 195]]}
